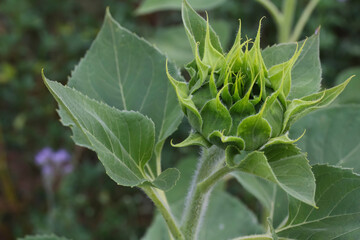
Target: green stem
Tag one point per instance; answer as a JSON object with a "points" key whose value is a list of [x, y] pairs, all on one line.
{"points": [[196, 205], [273, 10], [303, 20], [284, 28], [165, 212], [255, 237]]}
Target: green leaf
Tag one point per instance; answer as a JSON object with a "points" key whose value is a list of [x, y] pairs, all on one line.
{"points": [[227, 218], [223, 141], [173, 41], [300, 107], [274, 115], [109, 73], [150, 6], [167, 179], [284, 165], [332, 136], [186, 103], [292, 170], [195, 27], [338, 216], [194, 138], [123, 140], [350, 94], [255, 131], [271, 196], [240, 110], [43, 237], [215, 116], [306, 73]]}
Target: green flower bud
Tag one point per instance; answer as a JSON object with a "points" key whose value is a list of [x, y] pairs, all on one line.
{"points": [[235, 102]]}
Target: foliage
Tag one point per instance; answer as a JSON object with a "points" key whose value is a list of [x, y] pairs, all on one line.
{"points": [[240, 104], [54, 35]]}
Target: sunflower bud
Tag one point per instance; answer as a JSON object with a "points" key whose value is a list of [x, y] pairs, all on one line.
{"points": [[235, 102]]}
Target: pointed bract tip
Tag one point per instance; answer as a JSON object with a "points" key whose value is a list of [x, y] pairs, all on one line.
{"points": [[107, 13]]}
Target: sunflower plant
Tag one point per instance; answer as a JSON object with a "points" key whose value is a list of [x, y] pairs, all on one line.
{"points": [[125, 99]]}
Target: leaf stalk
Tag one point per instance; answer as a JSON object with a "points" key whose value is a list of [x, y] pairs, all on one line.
{"points": [[165, 212]]}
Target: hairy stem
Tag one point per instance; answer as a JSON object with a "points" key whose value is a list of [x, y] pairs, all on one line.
{"points": [[165, 212], [210, 171], [255, 237], [303, 20]]}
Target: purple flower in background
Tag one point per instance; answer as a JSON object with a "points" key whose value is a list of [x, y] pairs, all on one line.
{"points": [[54, 163], [61, 156], [43, 156]]}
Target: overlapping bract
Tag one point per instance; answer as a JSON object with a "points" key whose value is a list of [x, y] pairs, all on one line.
{"points": [[234, 101]]}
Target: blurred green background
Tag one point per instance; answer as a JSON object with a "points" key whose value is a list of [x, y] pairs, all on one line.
{"points": [[54, 35]]}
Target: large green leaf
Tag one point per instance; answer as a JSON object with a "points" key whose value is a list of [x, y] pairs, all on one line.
{"points": [[173, 41], [284, 165], [123, 140], [338, 215], [273, 199], [350, 95], [306, 73], [126, 72], [149, 6], [332, 136]]}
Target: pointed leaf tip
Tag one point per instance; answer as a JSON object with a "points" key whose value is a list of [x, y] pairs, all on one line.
{"points": [[193, 139]]}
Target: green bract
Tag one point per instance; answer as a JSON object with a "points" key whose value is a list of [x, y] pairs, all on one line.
{"points": [[233, 100]]}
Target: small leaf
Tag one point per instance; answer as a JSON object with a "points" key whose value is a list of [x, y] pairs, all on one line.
{"points": [[170, 39], [195, 27], [212, 57], [300, 107], [338, 216], [280, 75], [123, 140], [274, 115], [185, 101], [255, 131], [215, 116], [232, 145], [194, 138], [167, 179], [306, 73], [240, 110]]}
